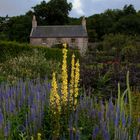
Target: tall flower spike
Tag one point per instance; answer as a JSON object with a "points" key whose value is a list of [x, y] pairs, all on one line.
{"points": [[32, 138], [72, 78], [64, 87], [38, 136], [76, 81], [54, 97]]}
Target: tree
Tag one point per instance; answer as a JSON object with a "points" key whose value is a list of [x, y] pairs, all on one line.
{"points": [[129, 9], [19, 28], [129, 24], [124, 21], [3, 27], [55, 12], [101, 24]]}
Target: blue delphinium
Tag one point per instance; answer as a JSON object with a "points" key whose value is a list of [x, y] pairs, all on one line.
{"points": [[1, 119], [95, 132]]}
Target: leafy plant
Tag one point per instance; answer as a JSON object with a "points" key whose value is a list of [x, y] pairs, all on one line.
{"points": [[28, 66]]}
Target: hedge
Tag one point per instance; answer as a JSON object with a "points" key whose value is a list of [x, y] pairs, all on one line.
{"points": [[12, 49]]}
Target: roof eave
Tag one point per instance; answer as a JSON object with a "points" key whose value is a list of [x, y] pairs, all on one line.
{"points": [[58, 36]]}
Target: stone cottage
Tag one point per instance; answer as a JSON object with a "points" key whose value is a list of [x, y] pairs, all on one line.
{"points": [[74, 35]]}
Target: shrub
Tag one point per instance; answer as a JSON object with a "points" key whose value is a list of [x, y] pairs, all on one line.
{"points": [[26, 61], [13, 49], [28, 66]]}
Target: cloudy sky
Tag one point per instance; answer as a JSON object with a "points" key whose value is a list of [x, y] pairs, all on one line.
{"points": [[80, 7]]}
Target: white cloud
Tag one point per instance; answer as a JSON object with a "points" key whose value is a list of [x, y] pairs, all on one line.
{"points": [[78, 7]]}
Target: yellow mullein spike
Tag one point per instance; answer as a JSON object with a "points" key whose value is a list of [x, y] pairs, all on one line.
{"points": [[72, 78], [38, 136], [65, 45], [64, 87], [32, 138], [76, 82], [54, 97]]}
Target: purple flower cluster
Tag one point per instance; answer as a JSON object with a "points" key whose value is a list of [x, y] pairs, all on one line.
{"points": [[30, 95], [104, 118], [92, 119]]}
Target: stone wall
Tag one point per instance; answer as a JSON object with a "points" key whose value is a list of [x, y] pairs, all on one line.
{"points": [[78, 43]]}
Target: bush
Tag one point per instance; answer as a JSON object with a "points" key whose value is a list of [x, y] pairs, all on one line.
{"points": [[28, 66], [26, 61], [13, 49]]}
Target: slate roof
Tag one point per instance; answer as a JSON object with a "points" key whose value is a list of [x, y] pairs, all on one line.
{"points": [[58, 31]]}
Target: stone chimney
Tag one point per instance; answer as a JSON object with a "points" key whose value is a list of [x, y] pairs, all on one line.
{"points": [[84, 23], [34, 22]]}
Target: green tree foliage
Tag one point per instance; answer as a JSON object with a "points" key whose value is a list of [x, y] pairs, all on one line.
{"points": [[55, 12], [3, 27], [129, 9], [129, 24], [19, 28], [125, 21]]}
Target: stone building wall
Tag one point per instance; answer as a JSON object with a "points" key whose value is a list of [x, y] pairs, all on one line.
{"points": [[78, 43]]}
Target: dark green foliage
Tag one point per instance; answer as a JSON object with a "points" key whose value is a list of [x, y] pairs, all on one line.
{"points": [[125, 21], [15, 28], [55, 12], [3, 28], [115, 43], [13, 49], [122, 47], [2, 79], [19, 28], [47, 123], [107, 62], [129, 24], [129, 9], [29, 62], [17, 126], [75, 21]]}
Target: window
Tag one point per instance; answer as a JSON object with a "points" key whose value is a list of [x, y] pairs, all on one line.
{"points": [[73, 40], [44, 41], [58, 41]]}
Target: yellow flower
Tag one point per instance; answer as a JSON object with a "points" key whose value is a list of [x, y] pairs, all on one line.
{"points": [[38, 136], [72, 78], [54, 97], [32, 138], [76, 81], [64, 87]]}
